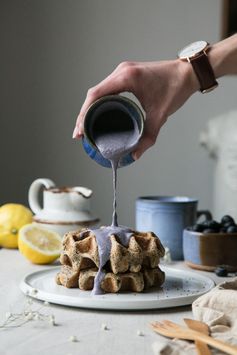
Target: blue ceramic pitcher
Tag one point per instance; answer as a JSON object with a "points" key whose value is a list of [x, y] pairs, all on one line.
{"points": [[110, 106]]}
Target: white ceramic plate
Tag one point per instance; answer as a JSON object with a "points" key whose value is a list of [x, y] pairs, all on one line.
{"points": [[180, 288]]}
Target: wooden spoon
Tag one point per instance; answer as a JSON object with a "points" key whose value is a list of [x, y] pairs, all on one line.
{"points": [[201, 327], [173, 330]]}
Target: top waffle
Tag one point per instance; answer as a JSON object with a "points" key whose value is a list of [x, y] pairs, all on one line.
{"points": [[80, 251]]}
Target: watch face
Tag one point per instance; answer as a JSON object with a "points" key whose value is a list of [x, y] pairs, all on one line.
{"points": [[192, 49]]}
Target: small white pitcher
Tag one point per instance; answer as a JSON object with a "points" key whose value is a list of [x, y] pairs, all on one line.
{"points": [[64, 208]]}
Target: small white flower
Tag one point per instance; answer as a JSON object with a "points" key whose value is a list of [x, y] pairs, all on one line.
{"points": [[140, 333], [52, 319], [73, 338], [29, 316], [34, 292], [104, 326]]}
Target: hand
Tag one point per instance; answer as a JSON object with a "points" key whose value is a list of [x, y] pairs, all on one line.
{"points": [[161, 87]]}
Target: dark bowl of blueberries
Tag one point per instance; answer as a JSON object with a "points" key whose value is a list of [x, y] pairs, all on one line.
{"points": [[212, 245]]}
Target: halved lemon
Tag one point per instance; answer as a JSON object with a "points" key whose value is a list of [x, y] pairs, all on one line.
{"points": [[38, 244]]}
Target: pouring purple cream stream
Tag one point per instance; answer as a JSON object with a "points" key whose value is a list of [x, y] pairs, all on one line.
{"points": [[113, 143]]}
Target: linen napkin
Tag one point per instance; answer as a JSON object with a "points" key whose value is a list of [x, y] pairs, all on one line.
{"points": [[217, 308]]}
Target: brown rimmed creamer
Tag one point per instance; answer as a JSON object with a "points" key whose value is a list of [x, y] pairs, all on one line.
{"points": [[64, 208]]}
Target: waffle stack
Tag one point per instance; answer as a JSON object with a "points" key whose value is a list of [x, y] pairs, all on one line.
{"points": [[133, 268]]}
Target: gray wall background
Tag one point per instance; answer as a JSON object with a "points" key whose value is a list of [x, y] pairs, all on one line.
{"points": [[52, 51]]}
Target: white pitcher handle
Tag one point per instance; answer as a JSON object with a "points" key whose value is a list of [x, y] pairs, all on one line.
{"points": [[33, 195]]}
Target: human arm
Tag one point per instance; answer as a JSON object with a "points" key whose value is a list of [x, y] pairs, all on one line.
{"points": [[161, 87], [223, 57]]}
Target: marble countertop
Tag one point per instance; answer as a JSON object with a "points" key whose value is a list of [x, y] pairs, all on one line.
{"points": [[37, 337]]}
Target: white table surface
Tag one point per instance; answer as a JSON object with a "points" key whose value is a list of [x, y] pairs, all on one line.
{"points": [[37, 337]]}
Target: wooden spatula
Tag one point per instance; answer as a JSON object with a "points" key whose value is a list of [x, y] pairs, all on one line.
{"points": [[201, 327]]}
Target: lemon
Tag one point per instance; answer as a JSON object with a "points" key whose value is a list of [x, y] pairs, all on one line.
{"points": [[12, 217], [38, 244]]}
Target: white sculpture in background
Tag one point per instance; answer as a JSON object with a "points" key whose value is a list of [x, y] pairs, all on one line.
{"points": [[220, 139]]}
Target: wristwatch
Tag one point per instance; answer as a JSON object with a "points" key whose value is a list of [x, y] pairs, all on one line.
{"points": [[197, 54]]}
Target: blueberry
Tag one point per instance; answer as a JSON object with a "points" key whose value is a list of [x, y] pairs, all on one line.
{"points": [[227, 225], [232, 229], [198, 227], [227, 219], [202, 227], [214, 225], [221, 271], [211, 225], [209, 230]]}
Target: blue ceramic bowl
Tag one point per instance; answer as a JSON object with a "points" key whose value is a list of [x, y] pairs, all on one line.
{"points": [[207, 251]]}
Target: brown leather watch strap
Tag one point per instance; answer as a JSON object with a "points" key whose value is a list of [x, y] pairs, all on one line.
{"points": [[204, 72]]}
